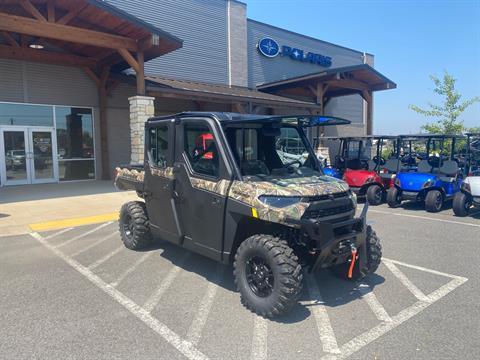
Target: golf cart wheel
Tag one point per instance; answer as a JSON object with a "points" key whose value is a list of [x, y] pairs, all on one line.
{"points": [[394, 197], [374, 195], [374, 257], [267, 275], [433, 201], [461, 204], [134, 225]]}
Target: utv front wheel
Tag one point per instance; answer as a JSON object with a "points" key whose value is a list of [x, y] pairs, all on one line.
{"points": [[394, 197], [134, 225], [267, 274], [461, 204], [374, 257], [374, 195], [433, 201]]}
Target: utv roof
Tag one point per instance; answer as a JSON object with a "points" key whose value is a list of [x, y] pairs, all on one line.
{"points": [[373, 137], [228, 117]]}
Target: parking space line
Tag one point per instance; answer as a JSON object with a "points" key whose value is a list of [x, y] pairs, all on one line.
{"points": [[73, 222], [416, 267], [260, 338], [195, 331], [154, 299], [105, 258], [131, 268], [406, 281], [424, 218], [58, 233], [84, 234], [324, 327], [372, 301], [367, 337], [98, 242], [161, 329]]}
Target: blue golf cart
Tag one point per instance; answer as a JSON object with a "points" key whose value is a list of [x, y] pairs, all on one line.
{"points": [[430, 170]]}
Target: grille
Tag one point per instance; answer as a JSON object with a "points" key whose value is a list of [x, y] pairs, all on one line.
{"points": [[328, 196], [320, 213]]}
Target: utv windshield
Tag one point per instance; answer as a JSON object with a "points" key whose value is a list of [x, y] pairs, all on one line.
{"points": [[276, 150]]}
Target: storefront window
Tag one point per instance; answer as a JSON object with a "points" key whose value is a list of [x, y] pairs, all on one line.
{"points": [[75, 139], [26, 115]]}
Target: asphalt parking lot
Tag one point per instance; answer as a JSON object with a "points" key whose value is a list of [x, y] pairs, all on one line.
{"points": [[78, 293]]}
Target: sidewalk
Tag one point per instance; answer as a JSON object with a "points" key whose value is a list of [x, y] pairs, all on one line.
{"points": [[52, 206]]}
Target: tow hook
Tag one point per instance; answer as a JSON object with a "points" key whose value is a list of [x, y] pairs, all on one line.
{"points": [[352, 262]]}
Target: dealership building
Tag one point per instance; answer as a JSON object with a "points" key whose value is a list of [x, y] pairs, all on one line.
{"points": [[79, 78]]}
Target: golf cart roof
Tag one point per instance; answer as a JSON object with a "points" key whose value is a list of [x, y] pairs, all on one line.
{"points": [[472, 134], [235, 118], [363, 137], [431, 136]]}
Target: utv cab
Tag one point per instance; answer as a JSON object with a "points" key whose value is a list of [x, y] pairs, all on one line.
{"points": [[469, 194], [368, 164], [432, 173], [247, 190]]}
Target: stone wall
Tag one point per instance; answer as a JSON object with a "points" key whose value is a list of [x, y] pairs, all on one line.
{"points": [[141, 108]]}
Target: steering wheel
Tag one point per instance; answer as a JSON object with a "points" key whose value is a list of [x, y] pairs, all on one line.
{"points": [[434, 161], [287, 165], [378, 160]]}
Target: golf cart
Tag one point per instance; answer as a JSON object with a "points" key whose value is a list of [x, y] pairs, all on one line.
{"points": [[469, 194], [225, 186], [368, 164], [436, 177]]}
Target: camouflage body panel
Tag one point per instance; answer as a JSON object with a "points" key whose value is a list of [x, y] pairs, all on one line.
{"points": [[163, 172], [130, 174], [248, 192], [218, 187]]}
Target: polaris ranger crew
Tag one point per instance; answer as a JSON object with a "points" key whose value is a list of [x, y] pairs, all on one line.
{"points": [[222, 185]]}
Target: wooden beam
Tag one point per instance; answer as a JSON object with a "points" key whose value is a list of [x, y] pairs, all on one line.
{"points": [[129, 59], [50, 11], [25, 53], [140, 74], [32, 10], [70, 15], [32, 27], [24, 40], [351, 84], [92, 76], [104, 76], [368, 97], [10, 39]]}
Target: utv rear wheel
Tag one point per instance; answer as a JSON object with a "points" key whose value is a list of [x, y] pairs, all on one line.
{"points": [[374, 257], [374, 195], [461, 204], [394, 197], [267, 274], [433, 201], [134, 225]]}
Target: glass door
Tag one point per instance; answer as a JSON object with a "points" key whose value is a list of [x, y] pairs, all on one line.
{"points": [[42, 157], [28, 156], [13, 159]]}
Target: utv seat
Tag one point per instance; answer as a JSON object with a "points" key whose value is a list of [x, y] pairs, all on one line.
{"points": [[450, 169], [391, 166]]}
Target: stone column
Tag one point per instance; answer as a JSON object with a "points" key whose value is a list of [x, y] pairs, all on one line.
{"points": [[141, 108]]}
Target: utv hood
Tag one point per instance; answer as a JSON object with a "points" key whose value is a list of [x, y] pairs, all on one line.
{"points": [[414, 181]]}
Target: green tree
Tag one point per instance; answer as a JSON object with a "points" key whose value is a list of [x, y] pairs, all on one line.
{"points": [[447, 114]]}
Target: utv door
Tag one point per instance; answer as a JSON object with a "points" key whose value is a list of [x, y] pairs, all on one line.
{"points": [[202, 180], [159, 182]]}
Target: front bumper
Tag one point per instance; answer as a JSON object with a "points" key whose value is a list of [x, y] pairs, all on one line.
{"points": [[333, 241], [410, 195]]}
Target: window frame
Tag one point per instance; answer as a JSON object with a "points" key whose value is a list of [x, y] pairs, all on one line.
{"points": [[171, 143]]}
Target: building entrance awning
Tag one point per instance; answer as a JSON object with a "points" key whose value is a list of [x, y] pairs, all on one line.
{"points": [[359, 79]]}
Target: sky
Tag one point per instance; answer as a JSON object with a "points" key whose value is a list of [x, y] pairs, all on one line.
{"points": [[410, 40]]}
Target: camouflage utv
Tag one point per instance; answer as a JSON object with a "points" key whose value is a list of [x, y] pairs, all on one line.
{"points": [[223, 185]]}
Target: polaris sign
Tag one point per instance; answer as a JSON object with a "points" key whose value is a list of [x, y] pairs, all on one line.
{"points": [[270, 48]]}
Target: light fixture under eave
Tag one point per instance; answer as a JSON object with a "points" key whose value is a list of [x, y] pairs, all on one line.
{"points": [[36, 46]]}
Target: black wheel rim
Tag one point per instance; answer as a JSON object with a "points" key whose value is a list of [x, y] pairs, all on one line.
{"points": [[259, 276], [128, 226], [468, 204], [378, 195]]}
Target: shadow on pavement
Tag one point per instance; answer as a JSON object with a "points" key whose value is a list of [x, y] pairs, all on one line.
{"points": [[335, 291]]}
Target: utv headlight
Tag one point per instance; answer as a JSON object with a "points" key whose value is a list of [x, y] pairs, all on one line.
{"points": [[428, 183], [370, 179], [465, 187], [279, 201]]}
